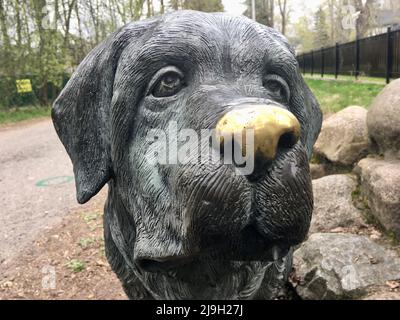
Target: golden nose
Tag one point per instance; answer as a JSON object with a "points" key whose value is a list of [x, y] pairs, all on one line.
{"points": [[273, 127]]}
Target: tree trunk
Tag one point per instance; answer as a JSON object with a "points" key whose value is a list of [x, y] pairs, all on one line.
{"points": [[149, 5], [138, 9], [174, 4], [162, 7], [364, 20], [272, 13], [81, 53], [4, 28], [331, 6], [39, 15], [71, 6], [283, 9], [19, 24]]}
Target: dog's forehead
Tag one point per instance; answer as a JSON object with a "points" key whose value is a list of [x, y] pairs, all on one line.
{"points": [[182, 26], [209, 43], [210, 37]]}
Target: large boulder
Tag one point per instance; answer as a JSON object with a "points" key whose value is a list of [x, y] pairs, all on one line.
{"points": [[333, 204], [384, 120], [380, 187], [385, 295], [342, 266], [344, 136]]}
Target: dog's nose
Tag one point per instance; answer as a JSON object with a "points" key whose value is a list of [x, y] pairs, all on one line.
{"points": [[271, 128]]}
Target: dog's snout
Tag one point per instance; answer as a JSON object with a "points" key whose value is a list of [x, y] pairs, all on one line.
{"points": [[259, 131]]}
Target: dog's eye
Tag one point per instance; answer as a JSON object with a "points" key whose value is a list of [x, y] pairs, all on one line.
{"points": [[277, 86], [168, 83]]}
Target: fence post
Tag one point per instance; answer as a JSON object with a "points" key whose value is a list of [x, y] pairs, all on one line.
{"points": [[337, 59], [322, 62], [389, 56], [357, 73], [312, 62], [304, 64]]}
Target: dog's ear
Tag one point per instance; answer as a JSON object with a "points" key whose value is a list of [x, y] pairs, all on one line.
{"points": [[313, 117], [81, 112]]}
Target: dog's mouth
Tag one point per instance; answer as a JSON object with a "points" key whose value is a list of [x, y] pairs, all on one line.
{"points": [[204, 277], [219, 268], [251, 251], [167, 264]]}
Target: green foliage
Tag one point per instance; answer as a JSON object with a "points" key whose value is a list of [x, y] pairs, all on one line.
{"points": [[91, 216], [265, 11], [10, 98], [316, 159], [356, 194], [84, 243], [21, 114], [42, 40], [321, 36], [204, 5], [394, 240], [76, 265], [303, 38]]}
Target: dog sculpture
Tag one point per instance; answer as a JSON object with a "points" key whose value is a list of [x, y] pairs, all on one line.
{"points": [[197, 230]]}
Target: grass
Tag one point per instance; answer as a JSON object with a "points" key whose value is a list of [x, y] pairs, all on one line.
{"points": [[90, 216], [334, 96], [93, 220], [20, 114], [85, 243], [76, 265], [361, 79]]}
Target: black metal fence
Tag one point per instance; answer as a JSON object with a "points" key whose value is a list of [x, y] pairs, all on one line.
{"points": [[377, 56]]}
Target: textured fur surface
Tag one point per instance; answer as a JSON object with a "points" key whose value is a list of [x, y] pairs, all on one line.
{"points": [[189, 231]]}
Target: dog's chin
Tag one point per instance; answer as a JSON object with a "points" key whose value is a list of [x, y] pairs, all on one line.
{"points": [[210, 278], [227, 280]]}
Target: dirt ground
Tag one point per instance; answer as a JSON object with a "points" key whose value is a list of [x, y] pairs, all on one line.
{"points": [[50, 247], [66, 262], [37, 188]]}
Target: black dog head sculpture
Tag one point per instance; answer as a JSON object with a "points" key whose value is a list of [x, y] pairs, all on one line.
{"points": [[194, 230]]}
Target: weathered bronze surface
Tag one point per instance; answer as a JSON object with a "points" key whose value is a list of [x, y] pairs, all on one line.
{"points": [[194, 230]]}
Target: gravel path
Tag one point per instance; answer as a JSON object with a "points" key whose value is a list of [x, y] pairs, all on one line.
{"points": [[36, 185]]}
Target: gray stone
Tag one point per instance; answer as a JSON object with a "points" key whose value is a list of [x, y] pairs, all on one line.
{"points": [[342, 266], [384, 296], [384, 120], [344, 136], [333, 204], [380, 186]]}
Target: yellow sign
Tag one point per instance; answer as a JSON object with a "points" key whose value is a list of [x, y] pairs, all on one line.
{"points": [[24, 85]]}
